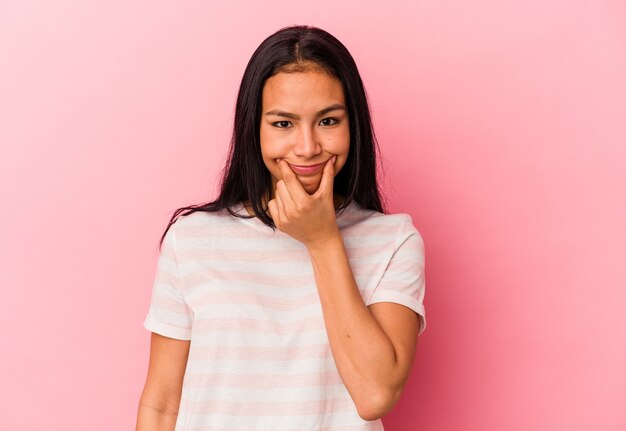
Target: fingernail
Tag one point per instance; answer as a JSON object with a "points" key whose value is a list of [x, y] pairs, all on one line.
{"points": [[334, 159]]}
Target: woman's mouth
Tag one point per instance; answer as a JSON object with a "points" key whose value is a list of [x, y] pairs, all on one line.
{"points": [[306, 170]]}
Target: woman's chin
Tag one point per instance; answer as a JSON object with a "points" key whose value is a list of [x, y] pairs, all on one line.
{"points": [[310, 185], [311, 190]]}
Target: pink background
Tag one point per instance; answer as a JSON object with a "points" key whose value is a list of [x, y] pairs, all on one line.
{"points": [[503, 129]]}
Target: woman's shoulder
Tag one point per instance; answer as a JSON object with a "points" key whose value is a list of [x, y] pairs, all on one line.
{"points": [[374, 222], [199, 220]]}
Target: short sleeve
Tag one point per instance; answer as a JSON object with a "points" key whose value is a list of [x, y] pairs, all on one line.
{"points": [[403, 280], [169, 314]]}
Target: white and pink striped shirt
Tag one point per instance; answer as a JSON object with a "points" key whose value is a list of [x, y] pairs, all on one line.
{"points": [[246, 297]]}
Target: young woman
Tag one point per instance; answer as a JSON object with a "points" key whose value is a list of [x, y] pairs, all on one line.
{"points": [[292, 301]]}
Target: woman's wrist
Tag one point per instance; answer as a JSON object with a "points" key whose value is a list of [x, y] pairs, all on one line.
{"points": [[324, 243]]}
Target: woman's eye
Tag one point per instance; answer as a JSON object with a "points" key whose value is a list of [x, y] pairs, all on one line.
{"points": [[282, 124], [331, 119]]}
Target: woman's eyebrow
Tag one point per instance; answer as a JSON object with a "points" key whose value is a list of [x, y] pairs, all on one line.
{"points": [[333, 107]]}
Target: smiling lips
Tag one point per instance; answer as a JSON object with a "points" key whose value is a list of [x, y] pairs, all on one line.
{"points": [[306, 170]]}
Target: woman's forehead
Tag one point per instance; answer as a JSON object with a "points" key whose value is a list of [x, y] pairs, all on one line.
{"points": [[301, 90]]}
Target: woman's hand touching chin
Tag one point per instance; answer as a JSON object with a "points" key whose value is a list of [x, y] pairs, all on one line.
{"points": [[308, 218]]}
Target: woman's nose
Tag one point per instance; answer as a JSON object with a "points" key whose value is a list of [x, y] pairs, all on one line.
{"points": [[307, 144]]}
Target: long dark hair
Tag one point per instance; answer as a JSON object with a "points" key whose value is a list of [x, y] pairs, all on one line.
{"points": [[245, 176]]}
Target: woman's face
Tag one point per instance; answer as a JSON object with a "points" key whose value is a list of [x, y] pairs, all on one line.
{"points": [[304, 121]]}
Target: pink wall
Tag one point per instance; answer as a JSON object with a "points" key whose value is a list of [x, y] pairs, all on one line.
{"points": [[503, 127]]}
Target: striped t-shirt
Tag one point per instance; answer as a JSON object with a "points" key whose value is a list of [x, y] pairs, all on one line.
{"points": [[246, 297]]}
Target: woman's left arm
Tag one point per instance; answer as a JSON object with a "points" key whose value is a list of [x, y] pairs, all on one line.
{"points": [[373, 347]]}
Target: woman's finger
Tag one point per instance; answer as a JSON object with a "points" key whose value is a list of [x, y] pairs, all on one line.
{"points": [[328, 177], [285, 197], [281, 208], [296, 191]]}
